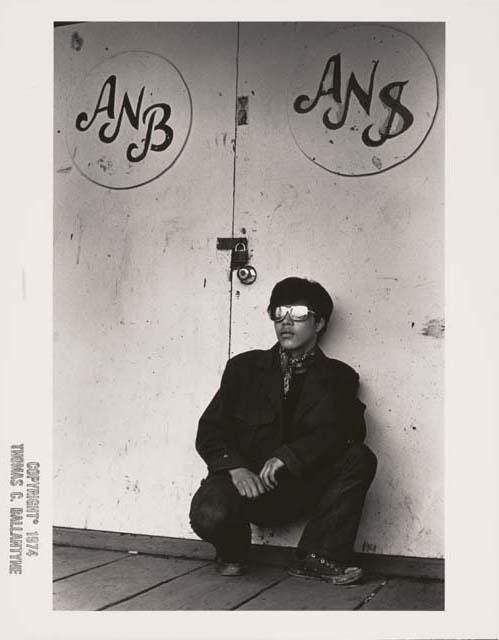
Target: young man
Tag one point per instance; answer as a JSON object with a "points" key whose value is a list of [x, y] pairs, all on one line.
{"points": [[283, 439]]}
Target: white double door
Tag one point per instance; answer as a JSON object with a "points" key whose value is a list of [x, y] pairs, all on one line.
{"points": [[146, 310]]}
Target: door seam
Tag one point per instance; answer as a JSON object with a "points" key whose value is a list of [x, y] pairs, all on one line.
{"points": [[234, 148]]}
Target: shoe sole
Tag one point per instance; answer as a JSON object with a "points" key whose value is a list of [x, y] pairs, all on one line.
{"points": [[352, 576]]}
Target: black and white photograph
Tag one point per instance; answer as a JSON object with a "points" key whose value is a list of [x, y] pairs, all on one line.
{"points": [[273, 194], [251, 404]]}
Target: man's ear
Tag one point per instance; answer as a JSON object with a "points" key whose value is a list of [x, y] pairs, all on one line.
{"points": [[320, 323]]}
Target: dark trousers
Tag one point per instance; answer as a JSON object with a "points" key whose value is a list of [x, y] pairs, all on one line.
{"points": [[333, 505]]}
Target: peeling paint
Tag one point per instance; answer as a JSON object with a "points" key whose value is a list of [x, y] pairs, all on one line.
{"points": [[131, 485], [76, 41], [242, 110], [65, 169], [434, 328], [105, 165]]}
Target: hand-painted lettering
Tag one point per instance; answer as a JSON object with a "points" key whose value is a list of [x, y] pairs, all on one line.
{"points": [[154, 118], [396, 108], [151, 127], [390, 96]]}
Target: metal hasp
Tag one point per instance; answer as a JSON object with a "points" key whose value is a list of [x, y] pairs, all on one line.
{"points": [[239, 258]]}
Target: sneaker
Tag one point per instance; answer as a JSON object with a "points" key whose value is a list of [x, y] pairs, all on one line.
{"points": [[230, 568], [314, 566]]}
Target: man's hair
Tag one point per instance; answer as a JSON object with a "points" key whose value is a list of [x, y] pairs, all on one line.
{"points": [[292, 290]]}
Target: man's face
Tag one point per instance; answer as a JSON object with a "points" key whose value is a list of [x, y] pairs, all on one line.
{"points": [[297, 337]]}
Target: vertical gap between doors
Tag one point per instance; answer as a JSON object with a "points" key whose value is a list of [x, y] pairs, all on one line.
{"points": [[234, 182]]}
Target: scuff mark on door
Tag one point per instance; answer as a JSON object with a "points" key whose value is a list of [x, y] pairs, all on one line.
{"points": [[434, 328], [80, 234]]}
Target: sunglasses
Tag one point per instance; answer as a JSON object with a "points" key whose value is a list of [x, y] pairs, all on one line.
{"points": [[297, 312]]}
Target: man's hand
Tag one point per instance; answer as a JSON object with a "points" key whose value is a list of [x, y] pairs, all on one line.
{"points": [[247, 483], [267, 474]]}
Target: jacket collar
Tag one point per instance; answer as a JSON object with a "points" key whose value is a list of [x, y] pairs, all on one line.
{"points": [[270, 358], [313, 389]]}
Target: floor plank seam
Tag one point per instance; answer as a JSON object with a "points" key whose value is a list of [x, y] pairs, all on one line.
{"points": [[255, 595], [370, 596], [97, 566], [166, 556], [417, 579], [155, 586]]}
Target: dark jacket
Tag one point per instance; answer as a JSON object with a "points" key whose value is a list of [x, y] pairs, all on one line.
{"points": [[242, 425]]}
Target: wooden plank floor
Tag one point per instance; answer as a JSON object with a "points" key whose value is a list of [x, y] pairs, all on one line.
{"points": [[409, 595], [102, 586], [206, 590], [297, 594], [93, 580], [71, 560]]}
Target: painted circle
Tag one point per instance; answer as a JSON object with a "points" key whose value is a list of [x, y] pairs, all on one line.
{"points": [[376, 132], [128, 120]]}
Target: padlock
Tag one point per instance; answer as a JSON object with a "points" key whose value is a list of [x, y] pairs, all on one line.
{"points": [[246, 274], [239, 256]]}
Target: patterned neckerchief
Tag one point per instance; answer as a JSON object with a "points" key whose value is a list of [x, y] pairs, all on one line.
{"points": [[291, 366]]}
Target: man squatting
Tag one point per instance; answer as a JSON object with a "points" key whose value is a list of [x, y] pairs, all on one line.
{"points": [[283, 440]]}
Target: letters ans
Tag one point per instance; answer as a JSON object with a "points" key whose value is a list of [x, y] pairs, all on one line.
{"points": [[390, 95]]}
